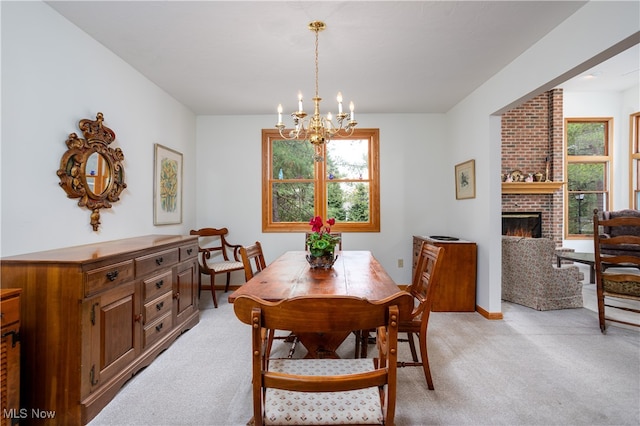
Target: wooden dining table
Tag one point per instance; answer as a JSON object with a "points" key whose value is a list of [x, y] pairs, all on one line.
{"points": [[355, 273]]}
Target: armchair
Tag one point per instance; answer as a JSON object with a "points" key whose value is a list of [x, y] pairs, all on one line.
{"points": [[530, 278], [215, 257]]}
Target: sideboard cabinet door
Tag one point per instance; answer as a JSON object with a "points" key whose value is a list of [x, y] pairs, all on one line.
{"points": [[10, 356], [114, 320]]}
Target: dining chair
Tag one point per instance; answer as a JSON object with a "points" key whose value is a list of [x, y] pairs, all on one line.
{"points": [[217, 256], [324, 391], [252, 256], [422, 288], [617, 261], [335, 234]]}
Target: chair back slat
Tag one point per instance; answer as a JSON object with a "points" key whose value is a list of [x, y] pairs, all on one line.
{"points": [[423, 286]]}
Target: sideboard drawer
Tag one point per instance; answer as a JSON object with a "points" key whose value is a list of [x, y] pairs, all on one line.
{"points": [[155, 261], [156, 330], [10, 311], [158, 307], [108, 277], [157, 285], [187, 252]]}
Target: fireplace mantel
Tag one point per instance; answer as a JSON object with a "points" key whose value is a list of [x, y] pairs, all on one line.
{"points": [[531, 187]]}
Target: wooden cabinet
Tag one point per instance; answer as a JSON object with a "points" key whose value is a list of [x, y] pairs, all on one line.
{"points": [[94, 315], [456, 290], [10, 356]]}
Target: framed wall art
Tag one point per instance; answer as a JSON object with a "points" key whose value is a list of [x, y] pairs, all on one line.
{"points": [[466, 180], [167, 186]]}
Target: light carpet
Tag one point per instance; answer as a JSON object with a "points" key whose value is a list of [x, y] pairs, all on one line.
{"points": [[531, 368]]}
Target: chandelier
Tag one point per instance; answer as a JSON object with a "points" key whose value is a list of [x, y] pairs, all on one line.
{"points": [[318, 129]]}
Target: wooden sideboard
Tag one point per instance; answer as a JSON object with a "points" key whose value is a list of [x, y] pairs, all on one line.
{"points": [[456, 290], [93, 315], [10, 356]]}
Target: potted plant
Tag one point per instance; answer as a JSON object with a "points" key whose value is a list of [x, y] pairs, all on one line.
{"points": [[321, 243]]}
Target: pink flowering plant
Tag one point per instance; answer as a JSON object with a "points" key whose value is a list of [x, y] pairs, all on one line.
{"points": [[320, 241]]}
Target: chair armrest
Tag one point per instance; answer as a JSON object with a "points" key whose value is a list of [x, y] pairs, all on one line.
{"points": [[236, 251]]}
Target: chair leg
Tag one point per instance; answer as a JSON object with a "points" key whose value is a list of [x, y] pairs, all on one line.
{"points": [[226, 287], [425, 361], [600, 296], [412, 346], [213, 291]]}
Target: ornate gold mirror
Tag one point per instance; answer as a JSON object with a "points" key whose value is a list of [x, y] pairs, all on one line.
{"points": [[91, 170]]}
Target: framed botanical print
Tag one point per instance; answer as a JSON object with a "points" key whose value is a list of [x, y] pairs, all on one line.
{"points": [[466, 180], [167, 186]]}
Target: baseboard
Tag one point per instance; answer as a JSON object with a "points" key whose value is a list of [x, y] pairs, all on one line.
{"points": [[489, 315]]}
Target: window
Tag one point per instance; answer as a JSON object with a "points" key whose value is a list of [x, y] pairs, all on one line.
{"points": [[588, 166], [635, 160], [337, 180]]}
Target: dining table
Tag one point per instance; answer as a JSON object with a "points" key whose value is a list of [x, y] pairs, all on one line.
{"points": [[355, 273]]}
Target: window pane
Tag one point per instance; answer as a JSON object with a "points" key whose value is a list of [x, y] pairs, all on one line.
{"points": [[348, 159], [586, 176], [581, 208], [586, 138], [349, 201], [292, 202], [292, 159]]}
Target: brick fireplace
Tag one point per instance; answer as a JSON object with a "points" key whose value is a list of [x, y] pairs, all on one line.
{"points": [[532, 135]]}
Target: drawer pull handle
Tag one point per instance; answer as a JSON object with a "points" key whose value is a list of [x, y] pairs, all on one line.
{"points": [[159, 327], [189, 251], [92, 376], [159, 261], [159, 306], [112, 275], [159, 284], [15, 335]]}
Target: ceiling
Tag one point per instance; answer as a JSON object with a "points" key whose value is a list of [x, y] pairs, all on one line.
{"points": [[244, 58]]}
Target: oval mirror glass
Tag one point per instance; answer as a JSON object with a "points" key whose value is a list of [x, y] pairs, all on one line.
{"points": [[97, 173]]}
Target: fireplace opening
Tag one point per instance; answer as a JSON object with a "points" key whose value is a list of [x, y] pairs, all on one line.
{"points": [[522, 224]]}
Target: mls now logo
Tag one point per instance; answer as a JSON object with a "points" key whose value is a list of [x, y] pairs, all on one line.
{"points": [[23, 413]]}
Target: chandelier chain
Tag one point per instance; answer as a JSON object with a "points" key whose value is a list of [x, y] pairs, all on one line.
{"points": [[317, 91]]}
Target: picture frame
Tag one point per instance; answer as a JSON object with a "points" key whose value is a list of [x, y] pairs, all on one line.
{"points": [[167, 186], [466, 180]]}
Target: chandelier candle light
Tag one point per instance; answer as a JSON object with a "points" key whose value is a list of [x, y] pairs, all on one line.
{"points": [[316, 128]]}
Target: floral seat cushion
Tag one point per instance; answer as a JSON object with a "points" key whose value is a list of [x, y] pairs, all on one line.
{"points": [[322, 408]]}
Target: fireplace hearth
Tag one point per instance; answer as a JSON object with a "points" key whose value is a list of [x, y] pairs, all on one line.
{"points": [[522, 224]]}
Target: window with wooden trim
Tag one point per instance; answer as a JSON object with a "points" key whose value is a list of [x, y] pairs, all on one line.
{"points": [[340, 179], [589, 179], [634, 157]]}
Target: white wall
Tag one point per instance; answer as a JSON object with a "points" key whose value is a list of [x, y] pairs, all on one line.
{"points": [[618, 105], [413, 173], [54, 75], [473, 132]]}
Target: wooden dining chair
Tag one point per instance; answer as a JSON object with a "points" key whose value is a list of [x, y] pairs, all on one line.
{"points": [[217, 256], [253, 260], [617, 261], [425, 281], [252, 256], [335, 234], [324, 391]]}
